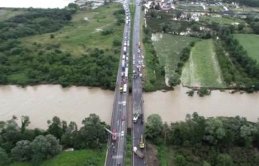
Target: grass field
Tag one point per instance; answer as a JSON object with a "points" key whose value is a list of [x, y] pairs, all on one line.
{"points": [[197, 156], [250, 42], [84, 32], [76, 158], [6, 13], [202, 69], [168, 48], [221, 20]]}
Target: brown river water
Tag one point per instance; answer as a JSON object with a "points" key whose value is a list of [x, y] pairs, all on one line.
{"points": [[43, 102]]}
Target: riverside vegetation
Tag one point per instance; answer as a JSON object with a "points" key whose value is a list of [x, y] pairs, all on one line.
{"points": [[22, 146], [203, 141], [30, 53]]}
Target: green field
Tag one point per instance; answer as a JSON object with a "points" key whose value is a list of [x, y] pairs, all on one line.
{"points": [[6, 13], [221, 20], [168, 48], [75, 158], [202, 69], [84, 32], [250, 42]]}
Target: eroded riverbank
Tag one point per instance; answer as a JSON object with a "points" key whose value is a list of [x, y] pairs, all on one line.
{"points": [[43, 102]]}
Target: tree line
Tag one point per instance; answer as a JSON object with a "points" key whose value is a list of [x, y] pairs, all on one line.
{"points": [[18, 143], [242, 61], [33, 22], [252, 3], [208, 139]]}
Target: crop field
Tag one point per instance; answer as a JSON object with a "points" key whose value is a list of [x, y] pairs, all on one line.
{"points": [[75, 158], [221, 20], [250, 42], [202, 68], [168, 48], [84, 32]]}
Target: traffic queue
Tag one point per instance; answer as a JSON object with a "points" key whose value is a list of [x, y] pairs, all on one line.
{"points": [[138, 68], [125, 53]]}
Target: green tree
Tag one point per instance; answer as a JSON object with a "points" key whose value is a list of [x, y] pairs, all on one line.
{"points": [[25, 120], [55, 127], [180, 160], [92, 134], [224, 160], [4, 160], [68, 138], [214, 131], [154, 128], [22, 151], [44, 147], [247, 132]]}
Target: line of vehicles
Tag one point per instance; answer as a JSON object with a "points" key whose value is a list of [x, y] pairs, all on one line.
{"points": [[125, 54], [138, 69]]}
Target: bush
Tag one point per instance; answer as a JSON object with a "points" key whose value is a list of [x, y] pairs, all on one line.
{"points": [[203, 91]]}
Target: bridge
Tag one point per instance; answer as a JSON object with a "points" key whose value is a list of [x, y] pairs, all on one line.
{"points": [[116, 150]]}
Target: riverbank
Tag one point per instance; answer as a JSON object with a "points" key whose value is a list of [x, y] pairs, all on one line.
{"points": [[43, 102]]}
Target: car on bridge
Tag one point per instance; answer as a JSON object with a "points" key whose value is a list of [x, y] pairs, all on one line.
{"points": [[114, 136]]}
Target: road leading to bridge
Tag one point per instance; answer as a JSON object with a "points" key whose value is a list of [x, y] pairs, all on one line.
{"points": [[117, 140], [137, 100]]}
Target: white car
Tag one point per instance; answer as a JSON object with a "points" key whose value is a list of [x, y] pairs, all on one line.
{"points": [[122, 133]]}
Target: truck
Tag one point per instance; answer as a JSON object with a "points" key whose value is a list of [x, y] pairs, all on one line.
{"points": [[138, 152], [114, 137], [123, 64], [141, 143], [126, 72], [124, 88], [141, 117]]}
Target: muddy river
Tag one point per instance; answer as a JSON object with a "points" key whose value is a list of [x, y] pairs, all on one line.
{"points": [[174, 105], [43, 102]]}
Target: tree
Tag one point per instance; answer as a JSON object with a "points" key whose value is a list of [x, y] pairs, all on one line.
{"points": [[180, 160], [92, 134], [214, 131], [10, 134], [25, 123], [22, 151], [44, 147], [174, 79], [4, 160], [246, 132], [154, 128], [55, 127], [68, 138], [224, 160], [178, 14]]}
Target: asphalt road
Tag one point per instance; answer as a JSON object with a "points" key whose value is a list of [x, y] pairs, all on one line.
{"points": [[137, 100], [116, 148]]}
